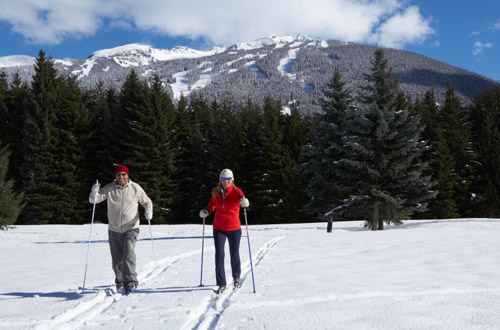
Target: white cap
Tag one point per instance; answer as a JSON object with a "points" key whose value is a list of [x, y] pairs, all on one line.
{"points": [[226, 173]]}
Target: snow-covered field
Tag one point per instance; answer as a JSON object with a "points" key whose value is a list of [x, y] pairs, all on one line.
{"points": [[422, 275]]}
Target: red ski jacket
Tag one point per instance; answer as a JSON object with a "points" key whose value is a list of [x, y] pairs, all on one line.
{"points": [[227, 206]]}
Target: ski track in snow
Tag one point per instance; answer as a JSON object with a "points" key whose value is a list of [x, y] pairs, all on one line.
{"points": [[209, 313], [104, 298], [374, 294]]}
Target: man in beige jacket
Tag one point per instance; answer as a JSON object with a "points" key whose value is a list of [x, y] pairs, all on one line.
{"points": [[124, 197]]}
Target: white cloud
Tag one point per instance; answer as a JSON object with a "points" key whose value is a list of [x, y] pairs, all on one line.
{"points": [[479, 47], [52, 21], [406, 27], [496, 25], [388, 22]]}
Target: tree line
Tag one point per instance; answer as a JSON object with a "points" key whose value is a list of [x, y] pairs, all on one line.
{"points": [[375, 156]]}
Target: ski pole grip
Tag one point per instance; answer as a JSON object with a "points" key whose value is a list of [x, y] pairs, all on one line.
{"points": [[97, 185]]}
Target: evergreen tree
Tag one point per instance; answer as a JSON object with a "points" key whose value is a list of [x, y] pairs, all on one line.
{"points": [[38, 143], [68, 178], [99, 101], [455, 125], [126, 120], [443, 206], [325, 147], [4, 110], [253, 156], [193, 164], [226, 141], [440, 159], [428, 110], [56, 189], [381, 175], [155, 151], [142, 138], [10, 202], [54, 169], [271, 193], [18, 95], [182, 131], [228, 145], [294, 180], [486, 130]]}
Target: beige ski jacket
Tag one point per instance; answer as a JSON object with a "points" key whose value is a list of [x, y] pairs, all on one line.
{"points": [[123, 204]]}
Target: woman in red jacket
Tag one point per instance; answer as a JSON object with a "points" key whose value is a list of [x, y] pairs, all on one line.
{"points": [[226, 201]]}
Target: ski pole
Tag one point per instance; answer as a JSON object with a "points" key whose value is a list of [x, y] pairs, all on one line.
{"points": [[202, 248], [152, 244], [90, 235], [249, 250]]}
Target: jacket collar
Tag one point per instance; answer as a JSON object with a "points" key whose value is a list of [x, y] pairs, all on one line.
{"points": [[126, 184], [228, 190]]}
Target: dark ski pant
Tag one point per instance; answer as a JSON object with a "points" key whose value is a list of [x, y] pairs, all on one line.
{"points": [[122, 246], [233, 238]]}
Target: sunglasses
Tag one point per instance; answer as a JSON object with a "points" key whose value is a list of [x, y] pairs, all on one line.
{"points": [[121, 174], [228, 179]]}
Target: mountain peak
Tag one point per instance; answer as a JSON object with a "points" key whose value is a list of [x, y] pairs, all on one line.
{"points": [[271, 40], [140, 54], [129, 49], [16, 60]]}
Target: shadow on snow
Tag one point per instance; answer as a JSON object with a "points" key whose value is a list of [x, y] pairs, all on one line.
{"points": [[141, 239]]}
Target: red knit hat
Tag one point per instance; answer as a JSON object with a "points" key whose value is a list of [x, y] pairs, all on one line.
{"points": [[122, 168]]}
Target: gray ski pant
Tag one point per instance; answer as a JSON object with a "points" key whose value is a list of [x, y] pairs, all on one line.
{"points": [[122, 246]]}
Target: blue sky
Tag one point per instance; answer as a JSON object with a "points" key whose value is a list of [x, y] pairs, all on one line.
{"points": [[465, 33]]}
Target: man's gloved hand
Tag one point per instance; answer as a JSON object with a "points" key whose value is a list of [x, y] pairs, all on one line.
{"points": [[148, 215], [95, 188]]}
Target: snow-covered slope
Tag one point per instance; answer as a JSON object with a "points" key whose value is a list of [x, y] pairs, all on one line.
{"points": [[422, 275], [16, 60], [287, 68], [140, 55], [278, 41]]}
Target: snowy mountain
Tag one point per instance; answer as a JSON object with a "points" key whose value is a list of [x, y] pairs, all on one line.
{"points": [[288, 68], [16, 60], [142, 55]]}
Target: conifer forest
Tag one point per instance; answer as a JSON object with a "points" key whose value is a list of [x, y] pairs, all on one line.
{"points": [[376, 155]]}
